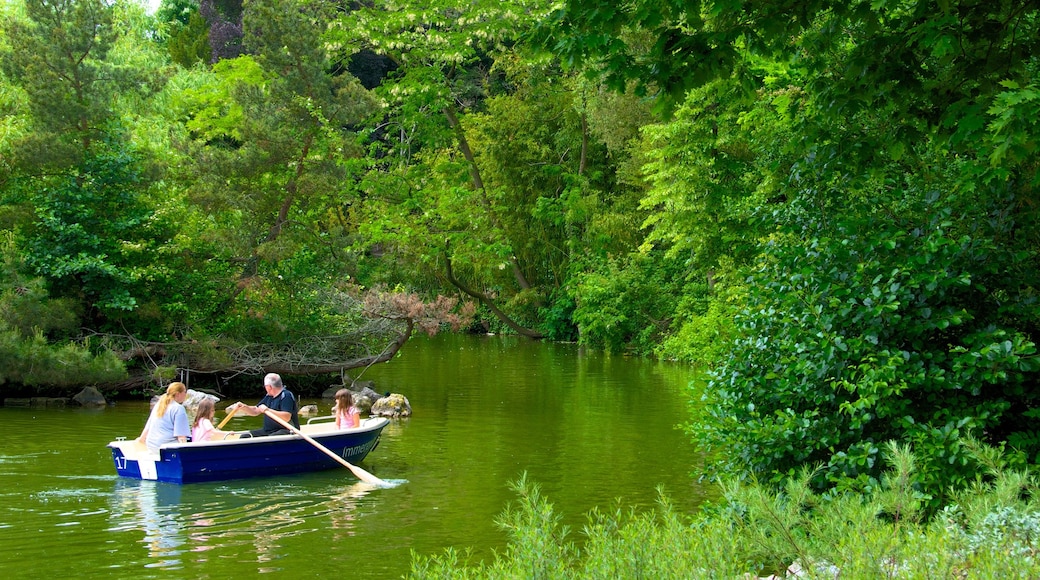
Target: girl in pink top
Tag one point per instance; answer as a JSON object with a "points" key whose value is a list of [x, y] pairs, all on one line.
{"points": [[203, 430], [347, 415]]}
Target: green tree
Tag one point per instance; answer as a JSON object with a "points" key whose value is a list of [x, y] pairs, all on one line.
{"points": [[271, 141], [79, 192], [93, 235], [881, 154], [187, 33], [57, 53], [445, 56]]}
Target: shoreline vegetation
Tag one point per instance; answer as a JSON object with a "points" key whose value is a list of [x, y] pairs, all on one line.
{"points": [[990, 530]]}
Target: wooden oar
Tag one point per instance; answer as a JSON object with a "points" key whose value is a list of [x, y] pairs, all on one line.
{"points": [[360, 473], [228, 418]]}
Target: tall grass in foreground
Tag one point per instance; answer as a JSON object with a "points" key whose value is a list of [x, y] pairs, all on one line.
{"points": [[991, 530]]}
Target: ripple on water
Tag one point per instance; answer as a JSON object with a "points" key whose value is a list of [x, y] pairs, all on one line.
{"points": [[68, 495], [21, 458], [89, 477]]}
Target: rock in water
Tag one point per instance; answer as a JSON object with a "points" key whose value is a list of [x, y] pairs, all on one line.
{"points": [[90, 397], [394, 405], [192, 400]]}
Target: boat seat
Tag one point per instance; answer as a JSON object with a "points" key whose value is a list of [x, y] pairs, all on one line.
{"points": [[316, 428], [134, 450]]}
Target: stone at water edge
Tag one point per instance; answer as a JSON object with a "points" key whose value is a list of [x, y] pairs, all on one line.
{"points": [[355, 387], [192, 400], [394, 405], [90, 397]]}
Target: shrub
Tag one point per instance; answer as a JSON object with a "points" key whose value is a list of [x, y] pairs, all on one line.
{"points": [[756, 530], [913, 326], [37, 363]]}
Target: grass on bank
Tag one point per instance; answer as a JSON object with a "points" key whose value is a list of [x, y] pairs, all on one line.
{"points": [[991, 530]]}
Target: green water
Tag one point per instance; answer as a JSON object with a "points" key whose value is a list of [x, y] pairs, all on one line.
{"points": [[591, 429]]}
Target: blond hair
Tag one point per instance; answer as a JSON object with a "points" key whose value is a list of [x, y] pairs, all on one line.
{"points": [[164, 401]]}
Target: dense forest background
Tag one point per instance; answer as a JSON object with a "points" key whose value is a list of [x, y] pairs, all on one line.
{"points": [[830, 206]]}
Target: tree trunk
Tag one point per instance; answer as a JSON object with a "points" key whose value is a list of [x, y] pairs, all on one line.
{"points": [[285, 363], [478, 184], [487, 301]]}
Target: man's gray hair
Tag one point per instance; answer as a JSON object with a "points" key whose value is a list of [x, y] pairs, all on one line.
{"points": [[273, 379]]}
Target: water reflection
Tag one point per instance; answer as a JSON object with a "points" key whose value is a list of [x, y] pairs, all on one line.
{"points": [[343, 507], [255, 521], [154, 509]]}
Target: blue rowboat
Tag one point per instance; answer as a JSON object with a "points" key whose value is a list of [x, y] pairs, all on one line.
{"points": [[251, 457]]}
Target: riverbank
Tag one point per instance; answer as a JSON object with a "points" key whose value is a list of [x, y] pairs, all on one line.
{"points": [[987, 532], [247, 386]]}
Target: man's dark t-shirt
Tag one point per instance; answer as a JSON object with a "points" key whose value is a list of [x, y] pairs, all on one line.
{"points": [[284, 401]]}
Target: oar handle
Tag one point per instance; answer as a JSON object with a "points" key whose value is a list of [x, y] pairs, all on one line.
{"points": [[360, 473], [228, 418]]}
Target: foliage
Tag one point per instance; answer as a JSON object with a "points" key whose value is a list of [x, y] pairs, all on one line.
{"points": [[705, 174], [904, 327], [25, 305], [71, 65], [929, 59], [93, 234], [440, 50], [991, 532], [703, 178], [270, 140], [188, 43], [629, 304], [704, 325], [477, 178], [224, 20], [494, 171], [176, 11], [36, 362]]}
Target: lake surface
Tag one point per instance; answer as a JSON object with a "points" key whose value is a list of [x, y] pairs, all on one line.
{"points": [[592, 430]]}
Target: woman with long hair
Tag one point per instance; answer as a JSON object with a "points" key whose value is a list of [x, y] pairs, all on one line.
{"points": [[169, 421], [203, 429]]}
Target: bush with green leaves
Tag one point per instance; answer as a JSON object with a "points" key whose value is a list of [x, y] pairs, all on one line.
{"points": [[913, 321], [628, 303], [35, 330], [703, 327], [40, 364], [991, 531]]}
